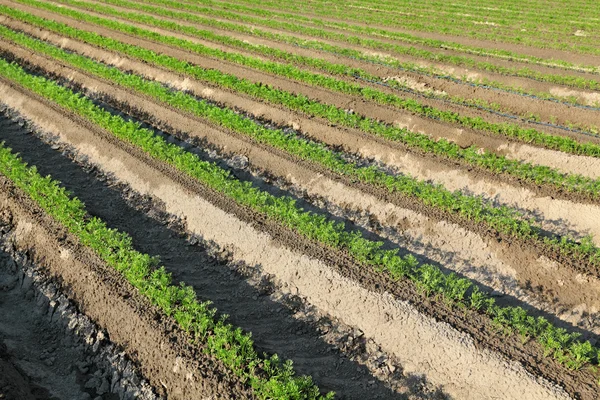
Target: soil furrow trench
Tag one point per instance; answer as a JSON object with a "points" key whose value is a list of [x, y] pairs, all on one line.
{"points": [[104, 296], [469, 375], [462, 136]]}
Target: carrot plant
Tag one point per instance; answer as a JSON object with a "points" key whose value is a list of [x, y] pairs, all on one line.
{"points": [[349, 17], [342, 37], [428, 278], [584, 83], [502, 219], [308, 106], [289, 70], [317, 45]]}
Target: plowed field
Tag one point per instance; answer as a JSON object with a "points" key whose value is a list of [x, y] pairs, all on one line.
{"points": [[241, 199]]}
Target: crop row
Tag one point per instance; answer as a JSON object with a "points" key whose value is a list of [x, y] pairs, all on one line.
{"points": [[322, 46], [502, 219], [500, 7], [409, 20], [289, 71], [443, 148], [391, 62], [267, 21], [269, 377], [429, 279], [530, 18], [387, 61], [292, 71], [525, 11], [574, 81]]}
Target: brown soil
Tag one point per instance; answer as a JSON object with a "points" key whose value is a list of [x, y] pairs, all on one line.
{"points": [[179, 201], [179, 369]]}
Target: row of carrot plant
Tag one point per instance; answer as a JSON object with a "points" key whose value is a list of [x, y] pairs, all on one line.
{"points": [[502, 219], [266, 20], [412, 20], [336, 50], [511, 130], [565, 347], [570, 80], [268, 376]]}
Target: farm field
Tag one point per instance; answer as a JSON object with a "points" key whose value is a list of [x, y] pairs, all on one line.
{"points": [[241, 199]]}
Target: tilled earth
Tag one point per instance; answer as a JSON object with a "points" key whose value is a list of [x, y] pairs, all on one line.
{"points": [[72, 328]]}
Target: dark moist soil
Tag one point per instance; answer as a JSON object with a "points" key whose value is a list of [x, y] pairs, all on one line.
{"points": [[178, 369], [48, 350], [248, 307], [41, 355], [581, 384]]}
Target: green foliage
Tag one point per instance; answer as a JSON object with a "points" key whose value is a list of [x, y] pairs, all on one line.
{"points": [[227, 343], [236, 15], [291, 71], [370, 43], [501, 219], [433, 17]]}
